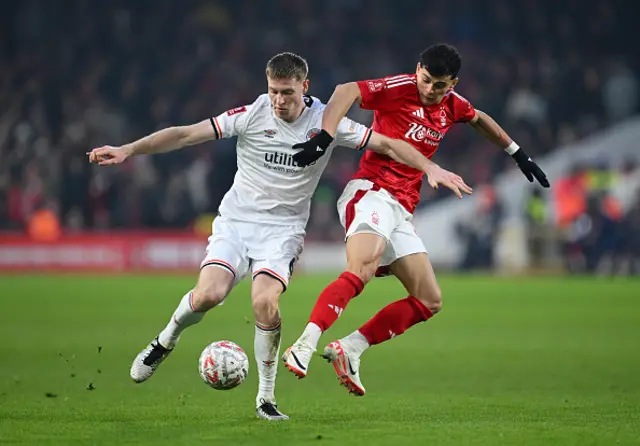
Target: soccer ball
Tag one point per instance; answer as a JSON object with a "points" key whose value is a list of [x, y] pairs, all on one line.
{"points": [[223, 365]]}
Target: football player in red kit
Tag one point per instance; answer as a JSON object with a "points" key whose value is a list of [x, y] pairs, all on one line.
{"points": [[377, 205]]}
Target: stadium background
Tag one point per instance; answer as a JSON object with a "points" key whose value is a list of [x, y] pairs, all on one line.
{"points": [[536, 359]]}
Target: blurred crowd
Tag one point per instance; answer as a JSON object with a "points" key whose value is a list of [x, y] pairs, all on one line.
{"points": [[78, 75], [587, 223], [593, 223]]}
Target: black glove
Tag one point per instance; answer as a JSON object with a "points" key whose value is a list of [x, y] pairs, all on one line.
{"points": [[530, 169], [312, 149]]}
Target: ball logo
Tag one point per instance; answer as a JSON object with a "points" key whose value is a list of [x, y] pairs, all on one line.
{"points": [[313, 132]]}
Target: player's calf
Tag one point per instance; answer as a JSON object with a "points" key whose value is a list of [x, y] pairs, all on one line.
{"points": [[394, 319], [265, 294], [416, 274]]}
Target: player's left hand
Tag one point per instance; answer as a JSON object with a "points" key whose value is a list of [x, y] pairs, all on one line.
{"points": [[107, 155], [312, 149], [438, 176], [530, 169]]}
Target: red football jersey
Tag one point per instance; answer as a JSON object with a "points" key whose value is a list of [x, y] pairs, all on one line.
{"points": [[399, 114]]}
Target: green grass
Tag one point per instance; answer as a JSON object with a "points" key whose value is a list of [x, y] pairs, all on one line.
{"points": [[508, 362]]}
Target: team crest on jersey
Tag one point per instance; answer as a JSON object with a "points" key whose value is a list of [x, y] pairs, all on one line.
{"points": [[270, 133], [443, 117], [375, 86], [236, 110], [312, 132]]}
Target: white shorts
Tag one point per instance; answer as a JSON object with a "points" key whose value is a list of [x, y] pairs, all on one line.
{"points": [[240, 247], [366, 208]]}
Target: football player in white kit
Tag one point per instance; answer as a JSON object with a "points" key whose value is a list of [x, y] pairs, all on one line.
{"points": [[261, 223]]}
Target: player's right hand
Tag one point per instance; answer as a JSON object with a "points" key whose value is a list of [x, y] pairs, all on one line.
{"points": [[312, 149], [437, 176], [107, 155]]}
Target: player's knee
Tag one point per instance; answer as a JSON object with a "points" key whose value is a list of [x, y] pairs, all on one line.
{"points": [[265, 306], [432, 299], [208, 296], [364, 271]]}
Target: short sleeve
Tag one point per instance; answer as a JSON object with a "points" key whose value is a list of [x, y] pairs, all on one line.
{"points": [[352, 134], [378, 94], [463, 111], [373, 93]]}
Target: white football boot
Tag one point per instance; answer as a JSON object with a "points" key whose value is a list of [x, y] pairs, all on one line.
{"points": [[148, 361], [297, 357], [346, 364]]}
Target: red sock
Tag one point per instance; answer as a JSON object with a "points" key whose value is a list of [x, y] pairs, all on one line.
{"points": [[394, 319], [334, 298]]}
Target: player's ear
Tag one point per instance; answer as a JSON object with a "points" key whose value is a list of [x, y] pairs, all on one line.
{"points": [[305, 86], [418, 68], [454, 83]]}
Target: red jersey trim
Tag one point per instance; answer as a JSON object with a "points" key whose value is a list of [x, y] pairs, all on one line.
{"points": [[350, 212], [217, 127]]}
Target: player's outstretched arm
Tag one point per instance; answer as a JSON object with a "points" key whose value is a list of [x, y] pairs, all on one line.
{"points": [[403, 152], [487, 127], [165, 140]]}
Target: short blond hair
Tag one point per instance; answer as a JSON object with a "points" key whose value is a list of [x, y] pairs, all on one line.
{"points": [[287, 66]]}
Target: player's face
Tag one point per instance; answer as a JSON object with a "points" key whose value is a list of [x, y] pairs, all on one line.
{"points": [[432, 89], [286, 97]]}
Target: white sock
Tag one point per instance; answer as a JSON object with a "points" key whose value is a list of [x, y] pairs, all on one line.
{"points": [[310, 335], [266, 347], [357, 342], [183, 317]]}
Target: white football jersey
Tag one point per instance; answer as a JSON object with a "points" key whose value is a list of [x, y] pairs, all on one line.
{"points": [[269, 187]]}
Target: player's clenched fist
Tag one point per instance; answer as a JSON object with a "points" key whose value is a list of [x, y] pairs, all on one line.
{"points": [[107, 155], [312, 149]]}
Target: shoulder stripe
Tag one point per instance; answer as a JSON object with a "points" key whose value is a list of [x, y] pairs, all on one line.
{"points": [[390, 78], [458, 95], [400, 79], [411, 82]]}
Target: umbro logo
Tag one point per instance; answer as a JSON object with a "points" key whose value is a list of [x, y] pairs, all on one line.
{"points": [[419, 113]]}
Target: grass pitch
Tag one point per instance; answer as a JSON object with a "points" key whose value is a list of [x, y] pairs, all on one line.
{"points": [[533, 361]]}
